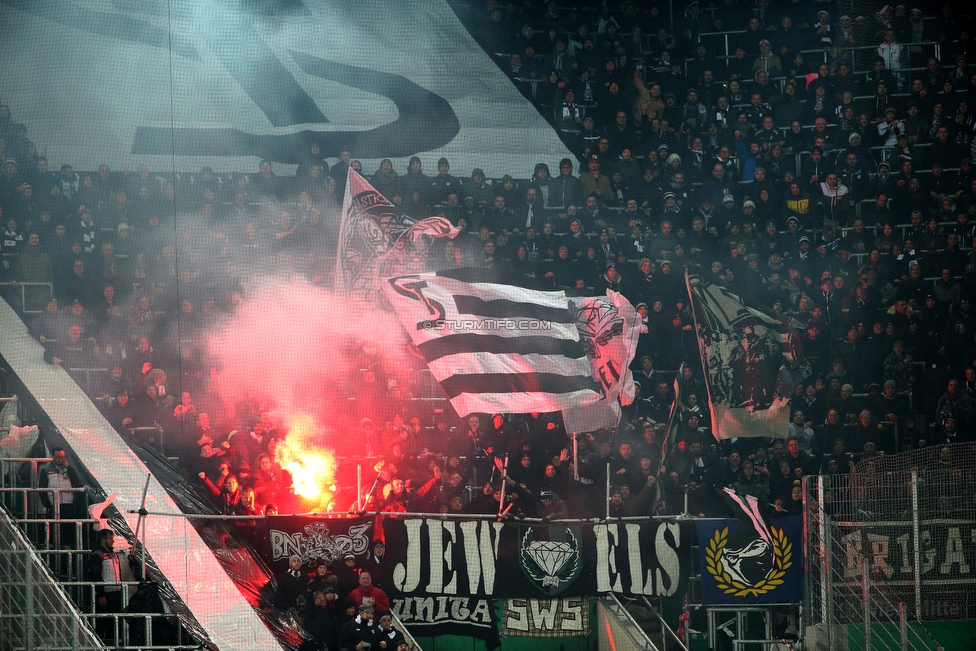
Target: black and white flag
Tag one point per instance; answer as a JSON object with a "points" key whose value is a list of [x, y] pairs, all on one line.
{"points": [[494, 347], [608, 327], [752, 361]]}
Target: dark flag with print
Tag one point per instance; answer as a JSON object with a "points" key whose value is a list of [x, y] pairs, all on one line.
{"points": [[495, 347], [752, 361], [377, 241]]}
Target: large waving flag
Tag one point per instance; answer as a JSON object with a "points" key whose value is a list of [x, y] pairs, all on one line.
{"points": [[377, 241], [609, 328], [751, 358], [370, 227], [494, 347]]}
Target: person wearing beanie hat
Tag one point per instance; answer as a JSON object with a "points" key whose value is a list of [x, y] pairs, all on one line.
{"points": [[321, 611], [318, 581], [443, 184], [414, 179], [565, 189], [388, 638], [10, 177], [476, 186], [359, 630], [291, 585]]}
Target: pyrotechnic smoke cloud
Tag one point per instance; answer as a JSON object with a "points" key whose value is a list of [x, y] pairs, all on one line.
{"points": [[298, 347], [295, 350]]}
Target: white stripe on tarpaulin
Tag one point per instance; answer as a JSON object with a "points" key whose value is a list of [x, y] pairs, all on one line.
{"points": [[174, 544], [495, 369], [472, 363], [517, 403]]}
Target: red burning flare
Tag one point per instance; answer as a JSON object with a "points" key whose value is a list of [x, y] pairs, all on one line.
{"points": [[309, 459]]}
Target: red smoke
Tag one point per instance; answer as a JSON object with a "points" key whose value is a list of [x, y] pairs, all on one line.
{"points": [[296, 351]]}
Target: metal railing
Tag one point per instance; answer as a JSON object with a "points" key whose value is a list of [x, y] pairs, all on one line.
{"points": [[126, 630], [667, 633], [633, 637], [45, 602], [36, 613], [23, 295], [871, 571]]}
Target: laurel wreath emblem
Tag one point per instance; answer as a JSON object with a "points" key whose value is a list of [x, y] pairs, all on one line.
{"points": [[782, 561]]}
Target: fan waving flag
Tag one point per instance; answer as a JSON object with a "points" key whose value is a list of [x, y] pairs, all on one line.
{"points": [[494, 347], [608, 326], [752, 361]]}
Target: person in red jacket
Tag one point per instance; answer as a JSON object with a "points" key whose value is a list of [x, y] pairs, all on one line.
{"points": [[367, 593]]}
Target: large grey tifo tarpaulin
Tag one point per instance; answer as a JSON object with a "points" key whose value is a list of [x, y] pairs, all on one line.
{"points": [[169, 83]]}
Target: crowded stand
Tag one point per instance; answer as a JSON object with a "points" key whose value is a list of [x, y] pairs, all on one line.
{"points": [[820, 165]]}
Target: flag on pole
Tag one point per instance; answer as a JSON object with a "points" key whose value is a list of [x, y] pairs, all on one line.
{"points": [[671, 433], [752, 361], [495, 347], [370, 227], [410, 252], [18, 441], [96, 510], [377, 241], [609, 327], [748, 509]]}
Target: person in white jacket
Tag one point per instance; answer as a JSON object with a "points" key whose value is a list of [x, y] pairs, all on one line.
{"points": [[892, 51]]}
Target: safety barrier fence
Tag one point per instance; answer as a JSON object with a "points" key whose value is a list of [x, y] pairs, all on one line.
{"points": [[620, 631], [36, 613], [888, 548], [38, 297]]}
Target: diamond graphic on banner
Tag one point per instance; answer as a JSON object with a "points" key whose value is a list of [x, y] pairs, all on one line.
{"points": [[551, 556], [551, 564]]}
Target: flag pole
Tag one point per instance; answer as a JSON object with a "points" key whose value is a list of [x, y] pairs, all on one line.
{"points": [[672, 428], [575, 459], [608, 490], [141, 524], [501, 502], [359, 486], [379, 471]]}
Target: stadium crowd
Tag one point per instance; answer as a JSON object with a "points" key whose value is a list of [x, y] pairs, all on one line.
{"points": [[821, 169]]}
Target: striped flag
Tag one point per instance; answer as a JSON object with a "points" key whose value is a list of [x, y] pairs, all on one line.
{"points": [[494, 347], [608, 326], [748, 509], [752, 361]]}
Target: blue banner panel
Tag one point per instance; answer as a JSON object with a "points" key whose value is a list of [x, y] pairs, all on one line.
{"points": [[738, 566]]}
